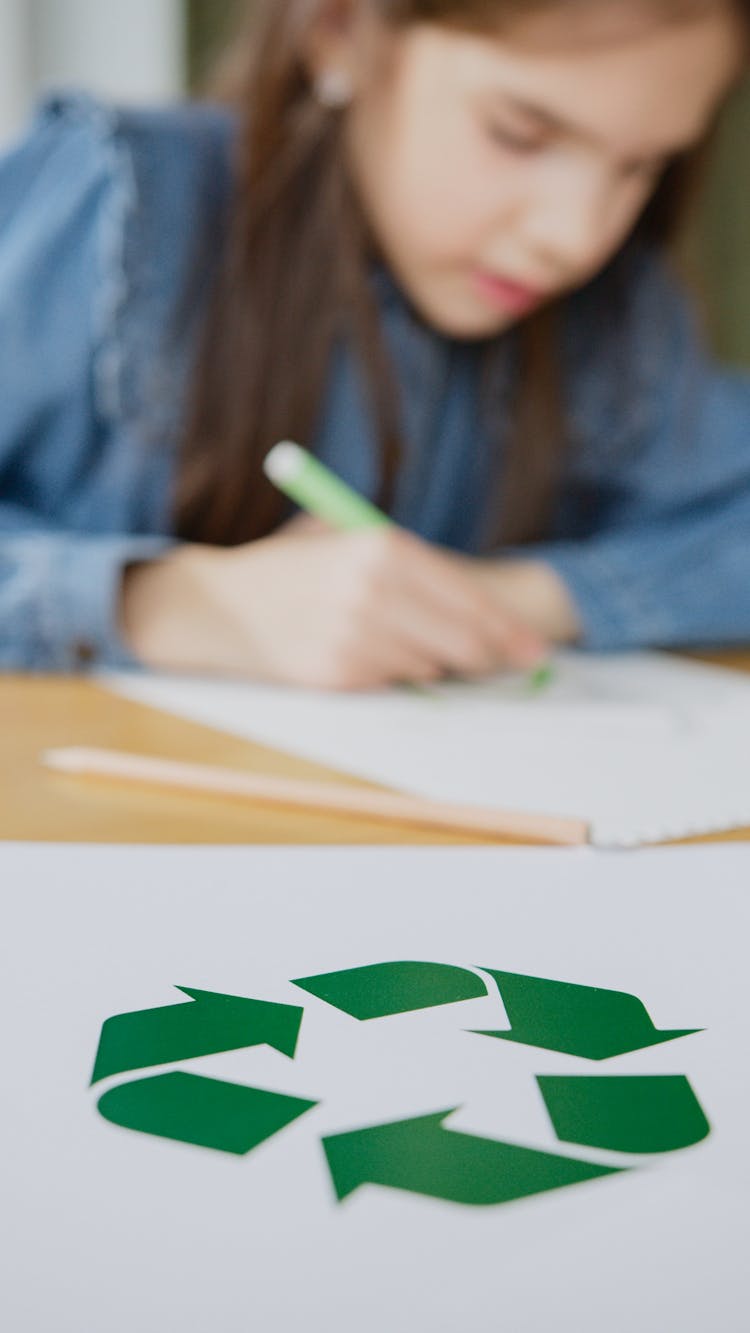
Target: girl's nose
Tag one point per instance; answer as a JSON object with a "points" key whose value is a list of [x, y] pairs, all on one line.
{"points": [[569, 227]]}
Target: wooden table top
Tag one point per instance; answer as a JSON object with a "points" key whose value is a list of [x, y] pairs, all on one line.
{"points": [[38, 713]]}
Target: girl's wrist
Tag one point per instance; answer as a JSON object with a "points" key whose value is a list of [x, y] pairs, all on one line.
{"points": [[162, 611]]}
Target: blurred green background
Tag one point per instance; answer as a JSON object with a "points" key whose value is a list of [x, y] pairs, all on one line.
{"points": [[718, 247], [721, 242]]}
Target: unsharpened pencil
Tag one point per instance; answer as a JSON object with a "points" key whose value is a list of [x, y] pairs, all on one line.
{"points": [[333, 798]]}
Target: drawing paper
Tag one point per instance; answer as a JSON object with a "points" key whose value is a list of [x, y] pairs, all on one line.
{"points": [[644, 746]]}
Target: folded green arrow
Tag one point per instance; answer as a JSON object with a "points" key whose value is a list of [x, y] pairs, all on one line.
{"points": [[648, 1113], [421, 1156], [205, 1112], [576, 1020], [385, 989], [210, 1025]]}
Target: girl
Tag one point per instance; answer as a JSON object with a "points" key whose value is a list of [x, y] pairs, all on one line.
{"points": [[426, 239]]}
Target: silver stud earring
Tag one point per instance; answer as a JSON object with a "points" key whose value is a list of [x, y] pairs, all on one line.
{"points": [[334, 89]]}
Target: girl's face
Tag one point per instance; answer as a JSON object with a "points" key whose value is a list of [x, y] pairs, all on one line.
{"points": [[500, 171]]}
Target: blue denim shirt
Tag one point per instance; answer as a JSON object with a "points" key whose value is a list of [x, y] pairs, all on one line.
{"points": [[109, 225]]}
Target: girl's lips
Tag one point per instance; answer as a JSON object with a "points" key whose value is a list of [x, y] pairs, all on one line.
{"points": [[507, 295]]}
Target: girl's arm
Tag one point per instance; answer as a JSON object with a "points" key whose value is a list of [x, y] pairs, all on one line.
{"points": [[60, 212], [101, 215], [666, 475], [59, 596]]}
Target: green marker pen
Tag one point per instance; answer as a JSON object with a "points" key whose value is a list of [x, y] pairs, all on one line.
{"points": [[310, 484], [318, 491]]}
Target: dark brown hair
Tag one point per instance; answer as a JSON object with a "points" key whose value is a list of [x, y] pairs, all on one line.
{"points": [[294, 276]]}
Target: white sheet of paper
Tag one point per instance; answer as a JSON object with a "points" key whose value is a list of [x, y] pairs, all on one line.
{"points": [[108, 1229], [644, 746]]}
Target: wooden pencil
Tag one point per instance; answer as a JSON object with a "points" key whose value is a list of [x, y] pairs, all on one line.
{"points": [[334, 798]]}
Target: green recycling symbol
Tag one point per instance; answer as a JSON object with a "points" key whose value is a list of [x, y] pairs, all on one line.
{"points": [[627, 1114]]}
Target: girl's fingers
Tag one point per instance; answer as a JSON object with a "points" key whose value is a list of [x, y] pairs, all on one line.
{"points": [[441, 644], [401, 641], [451, 647], [464, 620], [370, 667]]}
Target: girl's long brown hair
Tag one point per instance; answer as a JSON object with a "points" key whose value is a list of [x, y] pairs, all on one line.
{"points": [[293, 277]]}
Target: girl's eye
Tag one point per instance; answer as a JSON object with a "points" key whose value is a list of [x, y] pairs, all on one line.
{"points": [[513, 140]]}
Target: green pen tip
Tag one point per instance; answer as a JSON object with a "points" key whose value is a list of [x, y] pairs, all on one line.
{"points": [[541, 677]]}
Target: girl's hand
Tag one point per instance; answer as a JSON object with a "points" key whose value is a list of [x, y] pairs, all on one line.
{"points": [[325, 610]]}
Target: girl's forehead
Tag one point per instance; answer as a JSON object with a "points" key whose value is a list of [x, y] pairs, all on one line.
{"points": [[661, 82]]}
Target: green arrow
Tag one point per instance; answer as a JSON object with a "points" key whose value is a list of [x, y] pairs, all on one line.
{"points": [[202, 1111], [638, 1113], [576, 1020], [423, 1157], [393, 988], [208, 1026]]}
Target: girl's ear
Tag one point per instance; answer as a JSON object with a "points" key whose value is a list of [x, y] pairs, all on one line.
{"points": [[338, 50]]}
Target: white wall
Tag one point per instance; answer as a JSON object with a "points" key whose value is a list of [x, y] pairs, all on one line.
{"points": [[14, 60], [130, 50]]}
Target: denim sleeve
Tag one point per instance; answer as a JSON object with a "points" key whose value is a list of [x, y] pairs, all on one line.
{"points": [[63, 194], [667, 561], [59, 598]]}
